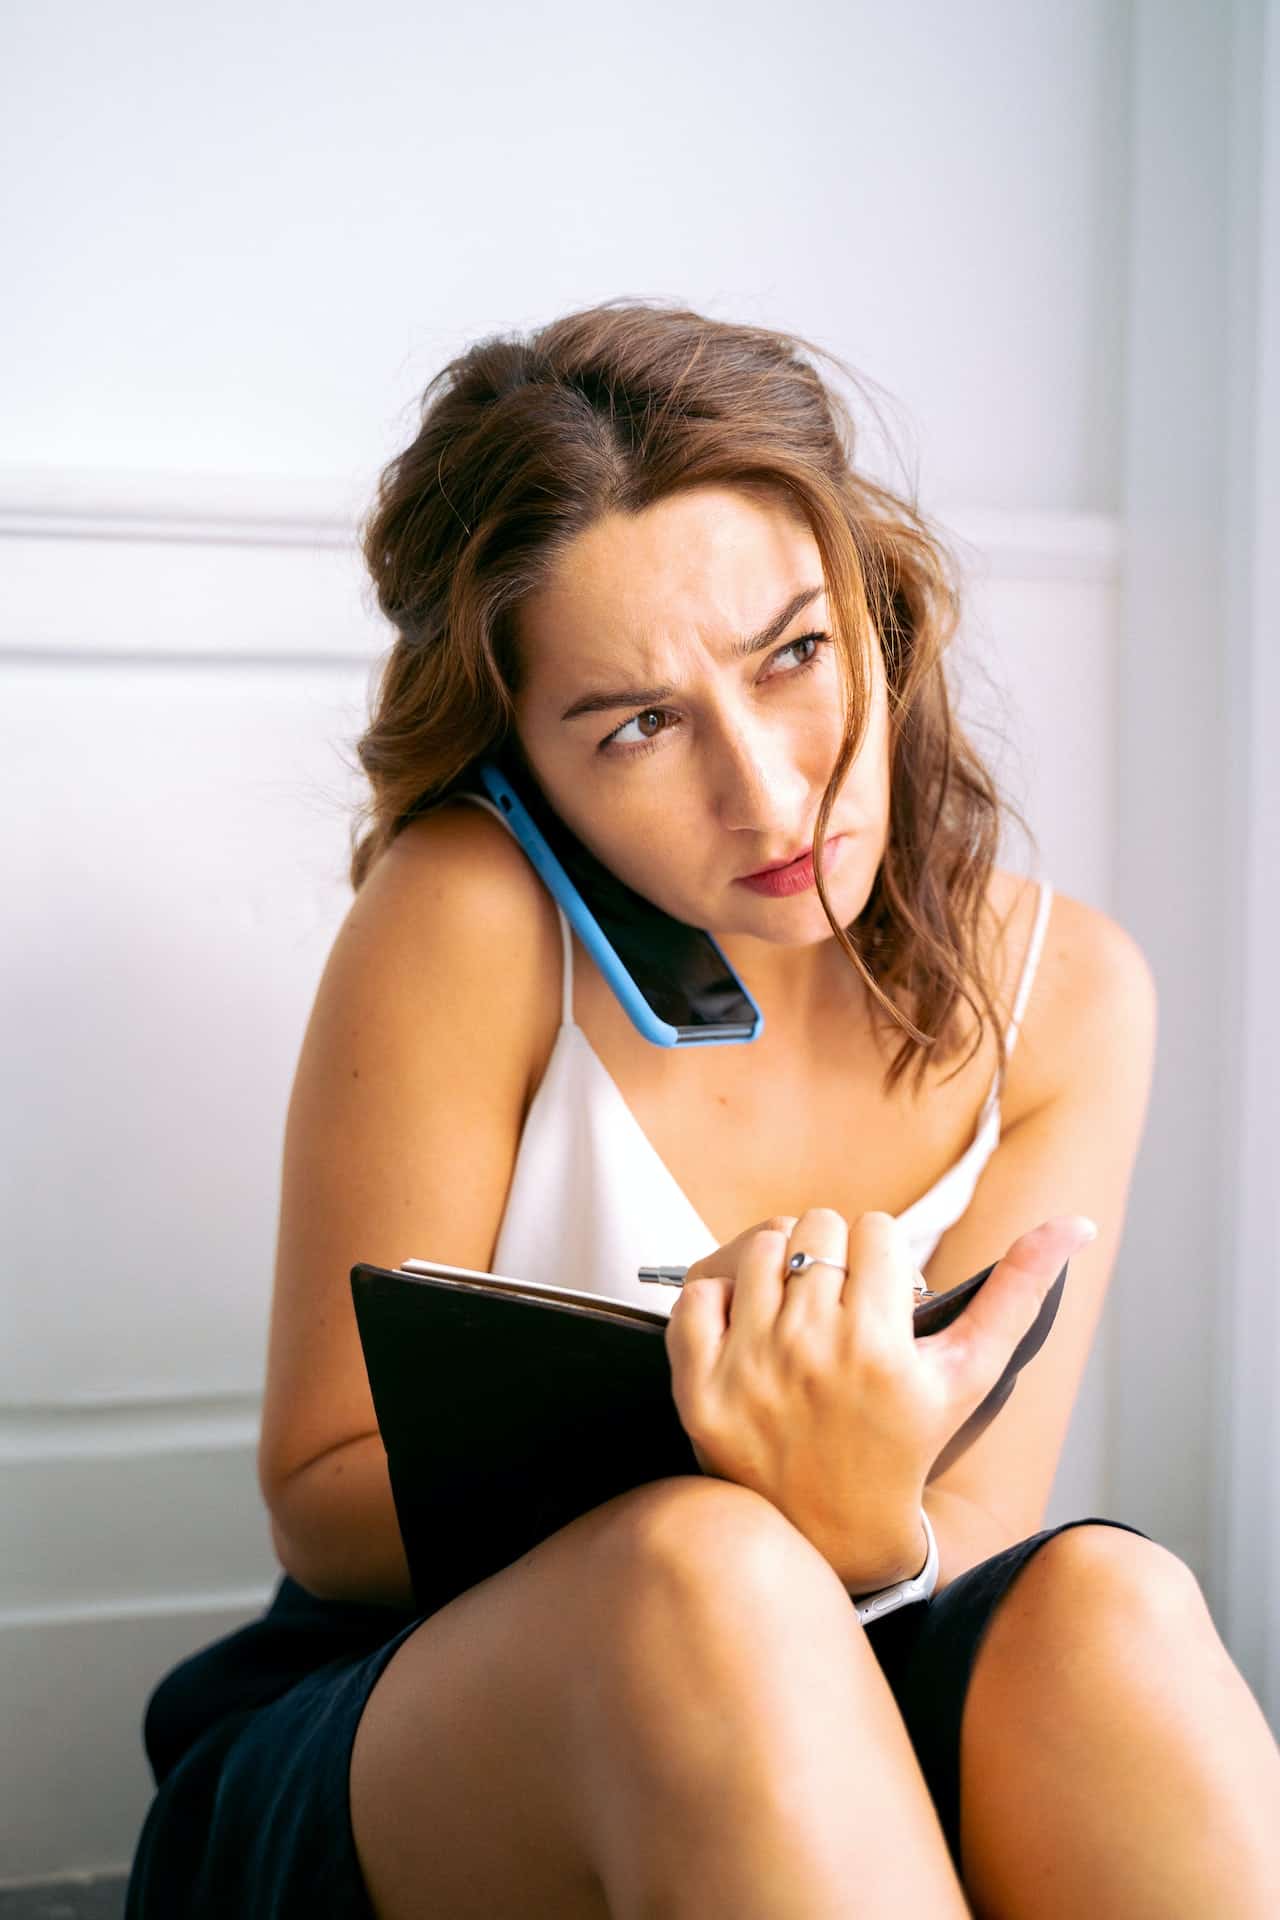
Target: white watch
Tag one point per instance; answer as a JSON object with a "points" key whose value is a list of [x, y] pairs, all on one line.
{"points": [[870, 1606]]}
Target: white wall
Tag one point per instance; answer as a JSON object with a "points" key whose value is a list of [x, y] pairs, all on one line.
{"points": [[249, 234], [245, 244], [1246, 1507], [1197, 820]]}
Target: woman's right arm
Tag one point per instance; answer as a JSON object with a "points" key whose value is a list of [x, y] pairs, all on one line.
{"points": [[435, 1011]]}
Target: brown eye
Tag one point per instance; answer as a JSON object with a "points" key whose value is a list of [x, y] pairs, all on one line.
{"points": [[620, 747], [616, 742]]}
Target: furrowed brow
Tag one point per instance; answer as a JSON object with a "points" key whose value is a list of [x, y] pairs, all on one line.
{"points": [[607, 700]]}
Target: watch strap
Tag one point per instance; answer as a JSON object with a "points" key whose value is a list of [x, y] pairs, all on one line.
{"points": [[872, 1606]]}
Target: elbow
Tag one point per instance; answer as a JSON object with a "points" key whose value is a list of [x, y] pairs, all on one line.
{"points": [[333, 1524], [292, 1519], [287, 1541], [302, 1566]]}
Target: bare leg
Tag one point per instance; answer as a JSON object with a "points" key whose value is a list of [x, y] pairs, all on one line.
{"points": [[668, 1708], [1113, 1761]]}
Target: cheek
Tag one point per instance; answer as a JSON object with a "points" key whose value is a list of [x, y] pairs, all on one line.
{"points": [[864, 797], [638, 836], [626, 827], [626, 823]]}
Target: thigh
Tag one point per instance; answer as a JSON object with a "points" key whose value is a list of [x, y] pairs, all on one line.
{"points": [[479, 1765], [1092, 1712], [928, 1654]]}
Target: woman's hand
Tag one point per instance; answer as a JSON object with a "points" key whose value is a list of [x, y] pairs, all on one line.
{"points": [[812, 1389]]}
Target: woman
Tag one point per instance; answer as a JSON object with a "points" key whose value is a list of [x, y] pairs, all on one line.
{"points": [[635, 549]]}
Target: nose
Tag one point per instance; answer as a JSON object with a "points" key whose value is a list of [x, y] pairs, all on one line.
{"points": [[758, 781]]}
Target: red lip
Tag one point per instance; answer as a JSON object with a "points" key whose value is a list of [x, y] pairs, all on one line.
{"points": [[791, 876], [788, 860], [776, 866]]}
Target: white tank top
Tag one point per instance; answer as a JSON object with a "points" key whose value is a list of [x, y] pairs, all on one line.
{"points": [[590, 1200]]}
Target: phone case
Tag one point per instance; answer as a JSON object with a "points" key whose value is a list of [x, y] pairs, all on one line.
{"points": [[662, 1032], [506, 1412]]}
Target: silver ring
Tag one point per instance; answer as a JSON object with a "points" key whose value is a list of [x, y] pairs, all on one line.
{"points": [[801, 1262]]}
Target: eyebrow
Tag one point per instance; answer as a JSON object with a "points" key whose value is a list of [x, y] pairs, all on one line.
{"points": [[607, 701]]}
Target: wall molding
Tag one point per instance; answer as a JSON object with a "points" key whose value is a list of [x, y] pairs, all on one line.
{"points": [[130, 1507], [203, 509], [209, 571], [79, 1427], [174, 1605], [208, 509]]}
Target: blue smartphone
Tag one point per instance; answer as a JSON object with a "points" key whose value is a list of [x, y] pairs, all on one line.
{"points": [[671, 979]]}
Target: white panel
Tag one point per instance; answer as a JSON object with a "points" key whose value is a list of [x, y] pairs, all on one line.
{"points": [[1035, 673], [175, 873], [74, 1789], [92, 595], [115, 1521]]}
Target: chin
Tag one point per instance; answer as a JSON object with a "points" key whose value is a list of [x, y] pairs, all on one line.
{"points": [[804, 925]]}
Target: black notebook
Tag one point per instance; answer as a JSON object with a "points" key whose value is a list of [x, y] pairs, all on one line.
{"points": [[508, 1408]]}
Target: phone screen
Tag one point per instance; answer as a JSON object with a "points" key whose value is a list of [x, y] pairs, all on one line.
{"points": [[678, 970]]}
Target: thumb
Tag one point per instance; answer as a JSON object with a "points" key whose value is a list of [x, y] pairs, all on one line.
{"points": [[978, 1345]]}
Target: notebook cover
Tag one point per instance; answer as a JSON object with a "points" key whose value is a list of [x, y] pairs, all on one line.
{"points": [[506, 1417]]}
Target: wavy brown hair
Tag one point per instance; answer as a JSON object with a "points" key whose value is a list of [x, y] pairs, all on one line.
{"points": [[524, 442]]}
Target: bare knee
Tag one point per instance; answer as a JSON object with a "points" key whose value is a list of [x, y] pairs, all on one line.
{"points": [[733, 1684], [1097, 1602], [1114, 1576], [715, 1619], [713, 1549]]}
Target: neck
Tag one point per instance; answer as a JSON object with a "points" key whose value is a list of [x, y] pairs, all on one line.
{"points": [[801, 991]]}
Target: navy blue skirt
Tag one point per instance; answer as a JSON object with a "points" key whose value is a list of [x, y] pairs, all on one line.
{"points": [[250, 1744]]}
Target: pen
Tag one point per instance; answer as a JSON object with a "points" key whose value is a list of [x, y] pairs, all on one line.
{"points": [[674, 1277]]}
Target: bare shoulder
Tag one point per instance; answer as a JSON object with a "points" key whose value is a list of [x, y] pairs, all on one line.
{"points": [[456, 896], [1092, 1005], [458, 856]]}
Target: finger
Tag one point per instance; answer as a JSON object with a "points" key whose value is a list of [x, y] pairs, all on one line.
{"points": [[814, 1294], [723, 1263], [977, 1345], [696, 1327], [758, 1287], [881, 1288]]}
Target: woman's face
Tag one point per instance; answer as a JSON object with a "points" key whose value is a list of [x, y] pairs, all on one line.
{"points": [[682, 759]]}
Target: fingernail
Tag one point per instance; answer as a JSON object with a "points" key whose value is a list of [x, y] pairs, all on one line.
{"points": [[1081, 1225]]}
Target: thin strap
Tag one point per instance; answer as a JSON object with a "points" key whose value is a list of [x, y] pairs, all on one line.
{"points": [[1029, 965], [566, 936]]}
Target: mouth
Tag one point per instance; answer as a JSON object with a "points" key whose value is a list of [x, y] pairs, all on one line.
{"points": [[793, 875], [779, 866], [790, 859]]}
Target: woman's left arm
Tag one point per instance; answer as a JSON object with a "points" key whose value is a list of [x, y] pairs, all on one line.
{"points": [[1093, 1032]]}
